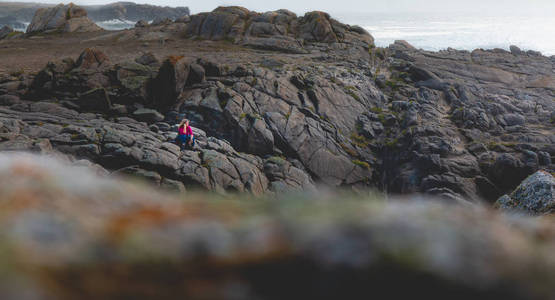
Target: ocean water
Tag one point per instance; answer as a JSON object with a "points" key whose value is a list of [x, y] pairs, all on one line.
{"points": [[116, 24], [464, 32]]}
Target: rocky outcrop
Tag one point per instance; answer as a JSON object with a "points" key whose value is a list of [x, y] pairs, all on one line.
{"points": [[134, 12], [465, 126], [535, 195], [122, 145], [463, 123], [15, 14], [278, 30], [76, 233], [62, 18]]}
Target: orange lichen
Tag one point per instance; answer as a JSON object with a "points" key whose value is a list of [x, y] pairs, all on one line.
{"points": [[173, 59]]}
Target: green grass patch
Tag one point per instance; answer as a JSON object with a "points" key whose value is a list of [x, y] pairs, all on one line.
{"points": [[359, 140], [349, 151], [278, 160], [12, 34], [352, 93], [391, 143], [376, 110], [362, 164]]}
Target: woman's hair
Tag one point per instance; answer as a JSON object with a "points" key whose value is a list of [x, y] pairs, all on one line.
{"points": [[183, 122]]}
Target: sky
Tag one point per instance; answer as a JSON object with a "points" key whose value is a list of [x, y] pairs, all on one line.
{"points": [[492, 7]]}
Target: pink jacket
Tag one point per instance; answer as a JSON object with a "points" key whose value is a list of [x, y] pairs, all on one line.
{"points": [[185, 131]]}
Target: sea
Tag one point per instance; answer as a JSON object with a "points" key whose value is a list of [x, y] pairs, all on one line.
{"points": [[437, 31], [115, 24]]}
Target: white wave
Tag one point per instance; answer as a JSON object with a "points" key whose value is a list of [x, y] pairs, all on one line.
{"points": [[385, 34], [117, 21], [116, 24], [465, 33]]}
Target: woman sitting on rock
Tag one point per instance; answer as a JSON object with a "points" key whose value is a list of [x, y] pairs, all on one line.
{"points": [[185, 134]]}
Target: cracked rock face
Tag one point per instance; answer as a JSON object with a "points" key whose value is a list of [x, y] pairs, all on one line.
{"points": [[124, 142]]}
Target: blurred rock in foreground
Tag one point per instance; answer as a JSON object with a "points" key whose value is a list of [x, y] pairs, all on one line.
{"points": [[67, 234]]}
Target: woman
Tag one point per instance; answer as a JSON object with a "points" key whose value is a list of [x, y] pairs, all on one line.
{"points": [[185, 133]]}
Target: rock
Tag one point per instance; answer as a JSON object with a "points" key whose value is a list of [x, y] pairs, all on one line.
{"points": [[533, 53], [487, 189], [221, 23], [172, 186], [148, 115], [513, 119], [158, 21], [147, 59], [544, 158], [278, 30], [154, 128], [196, 74], [8, 100], [534, 196], [5, 31], [169, 82], [89, 166], [148, 176], [183, 19], [94, 100], [133, 227], [403, 44], [134, 79], [276, 43], [92, 58], [260, 138], [141, 24], [508, 171], [285, 177], [211, 68], [119, 109], [516, 50], [62, 18], [316, 27]]}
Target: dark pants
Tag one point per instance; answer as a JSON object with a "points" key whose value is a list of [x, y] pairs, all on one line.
{"points": [[183, 139]]}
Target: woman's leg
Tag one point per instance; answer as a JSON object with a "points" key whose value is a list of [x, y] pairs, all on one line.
{"points": [[180, 140]]}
